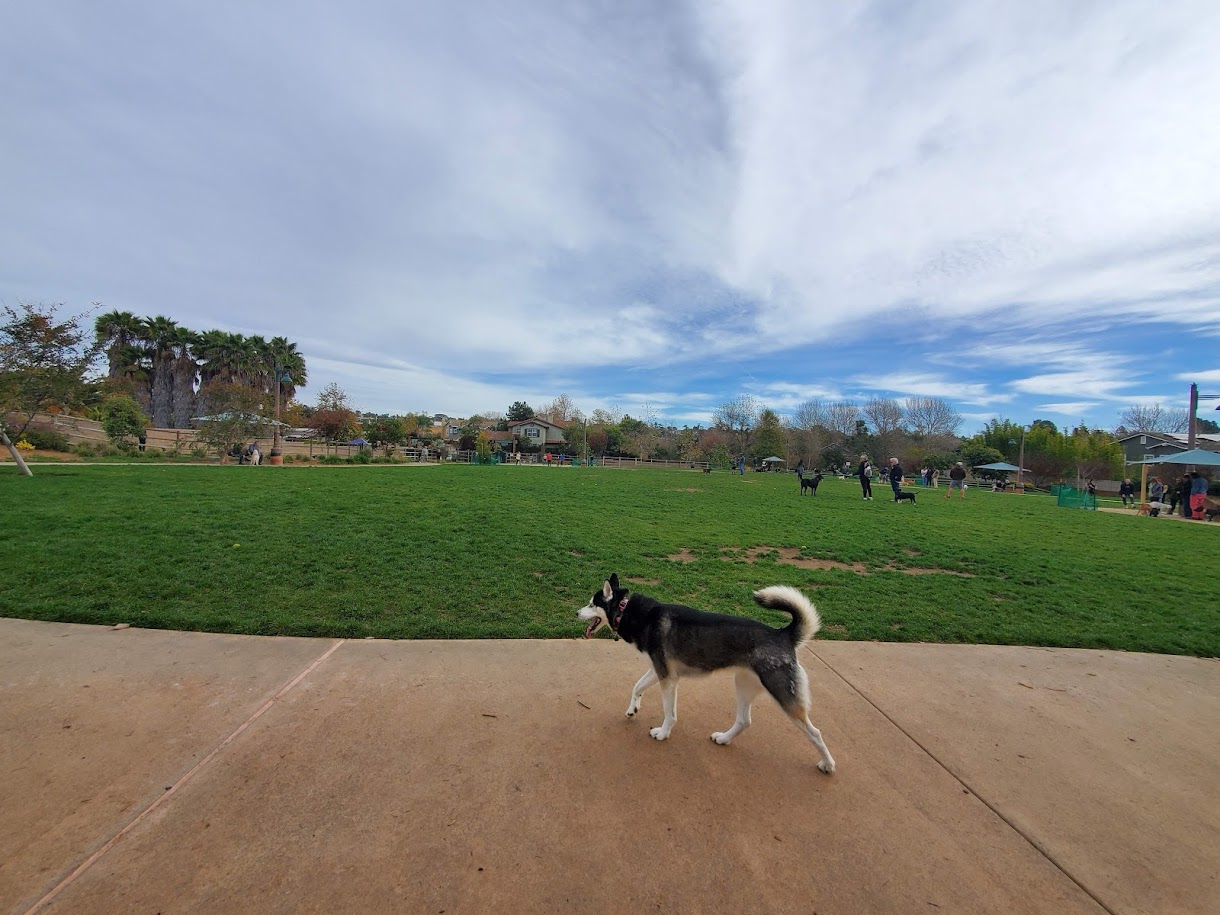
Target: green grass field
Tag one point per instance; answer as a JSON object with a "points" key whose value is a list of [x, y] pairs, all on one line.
{"points": [[511, 552]]}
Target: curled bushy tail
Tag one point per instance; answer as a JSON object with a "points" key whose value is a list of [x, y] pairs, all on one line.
{"points": [[805, 619]]}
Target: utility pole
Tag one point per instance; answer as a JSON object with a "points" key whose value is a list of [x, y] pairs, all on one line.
{"points": [[1190, 420]]}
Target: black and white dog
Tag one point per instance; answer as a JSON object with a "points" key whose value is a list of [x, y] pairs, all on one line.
{"points": [[681, 642], [811, 483], [901, 496]]}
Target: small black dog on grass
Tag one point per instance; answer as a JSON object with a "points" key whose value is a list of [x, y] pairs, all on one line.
{"points": [[811, 483], [904, 497]]}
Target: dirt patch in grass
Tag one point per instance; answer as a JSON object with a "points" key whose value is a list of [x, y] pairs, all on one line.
{"points": [[787, 555], [920, 570], [834, 628], [683, 555], [687, 489], [644, 581]]}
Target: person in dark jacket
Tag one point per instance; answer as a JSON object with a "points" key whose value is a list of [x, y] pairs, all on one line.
{"points": [[957, 480], [1126, 491], [865, 472], [1184, 494], [895, 477]]}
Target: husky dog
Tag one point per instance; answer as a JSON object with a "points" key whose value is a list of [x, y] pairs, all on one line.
{"points": [[811, 483], [908, 496], [681, 642]]}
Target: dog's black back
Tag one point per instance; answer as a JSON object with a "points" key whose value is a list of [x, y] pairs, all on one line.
{"points": [[698, 640], [904, 496], [811, 484]]}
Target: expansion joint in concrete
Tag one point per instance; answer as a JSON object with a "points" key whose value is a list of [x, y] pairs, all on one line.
{"points": [[173, 789], [1033, 843]]}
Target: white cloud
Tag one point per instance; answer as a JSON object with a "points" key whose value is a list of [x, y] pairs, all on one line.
{"points": [[455, 207], [923, 385], [1068, 409]]}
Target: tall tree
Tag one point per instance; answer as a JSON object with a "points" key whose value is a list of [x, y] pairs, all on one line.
{"points": [[185, 371], [520, 410], [930, 416], [115, 332], [162, 333], [769, 436], [738, 417], [1154, 418]]}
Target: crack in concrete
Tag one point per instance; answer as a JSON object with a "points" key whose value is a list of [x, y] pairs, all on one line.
{"points": [[173, 789], [1032, 841]]}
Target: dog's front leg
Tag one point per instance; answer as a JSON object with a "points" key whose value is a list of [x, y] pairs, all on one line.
{"points": [[669, 701], [638, 690]]}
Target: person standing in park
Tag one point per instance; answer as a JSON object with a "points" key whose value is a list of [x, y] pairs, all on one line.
{"points": [[865, 472], [1198, 495], [1184, 494], [895, 477], [957, 480]]}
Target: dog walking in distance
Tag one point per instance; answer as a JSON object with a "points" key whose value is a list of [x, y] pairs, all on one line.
{"points": [[900, 496], [811, 483], [683, 642]]}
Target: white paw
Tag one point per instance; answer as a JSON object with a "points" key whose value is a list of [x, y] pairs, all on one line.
{"points": [[660, 733], [828, 768], [722, 737], [633, 708]]}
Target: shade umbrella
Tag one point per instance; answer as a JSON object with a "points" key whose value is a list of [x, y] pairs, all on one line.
{"points": [[1196, 456], [774, 459], [359, 441], [999, 465]]}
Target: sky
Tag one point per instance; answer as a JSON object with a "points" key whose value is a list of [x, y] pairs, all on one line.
{"points": [[651, 207]]}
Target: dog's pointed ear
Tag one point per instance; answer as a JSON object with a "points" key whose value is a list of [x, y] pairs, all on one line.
{"points": [[609, 587]]}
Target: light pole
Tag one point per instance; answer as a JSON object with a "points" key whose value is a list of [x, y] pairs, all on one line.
{"points": [[277, 455], [1020, 460], [1021, 463]]}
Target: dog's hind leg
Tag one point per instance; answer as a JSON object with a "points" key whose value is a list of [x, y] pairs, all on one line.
{"points": [[790, 688], [748, 688], [669, 701], [638, 690]]}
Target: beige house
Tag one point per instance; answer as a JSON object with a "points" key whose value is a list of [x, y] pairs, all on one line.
{"points": [[537, 431]]}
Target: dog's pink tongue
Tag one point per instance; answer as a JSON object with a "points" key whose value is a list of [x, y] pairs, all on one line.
{"points": [[589, 628]]}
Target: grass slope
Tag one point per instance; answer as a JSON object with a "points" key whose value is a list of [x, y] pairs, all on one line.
{"points": [[494, 552]]}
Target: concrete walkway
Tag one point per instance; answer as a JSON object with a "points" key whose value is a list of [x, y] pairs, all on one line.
{"points": [[152, 771]]}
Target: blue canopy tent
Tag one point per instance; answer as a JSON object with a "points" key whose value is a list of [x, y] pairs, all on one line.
{"points": [[1195, 457]]}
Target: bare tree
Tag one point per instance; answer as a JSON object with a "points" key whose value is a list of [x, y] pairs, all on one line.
{"points": [[841, 419], [930, 416], [559, 410], [884, 414], [738, 416], [1154, 418]]}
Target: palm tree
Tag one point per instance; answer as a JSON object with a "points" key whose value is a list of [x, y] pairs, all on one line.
{"points": [[116, 331], [291, 364], [162, 332], [185, 370]]}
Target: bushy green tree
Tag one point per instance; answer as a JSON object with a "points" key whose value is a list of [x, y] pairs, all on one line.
{"points": [[519, 411], [768, 437], [122, 419]]}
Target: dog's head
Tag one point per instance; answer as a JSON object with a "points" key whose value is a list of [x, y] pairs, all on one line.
{"points": [[602, 605]]}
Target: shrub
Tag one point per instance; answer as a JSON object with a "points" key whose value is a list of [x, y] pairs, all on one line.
{"points": [[23, 445], [362, 457], [48, 441], [84, 449]]}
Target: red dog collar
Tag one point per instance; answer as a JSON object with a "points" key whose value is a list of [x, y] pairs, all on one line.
{"points": [[618, 614]]}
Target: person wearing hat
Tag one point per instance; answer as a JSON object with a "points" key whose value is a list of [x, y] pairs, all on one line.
{"points": [[957, 480]]}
